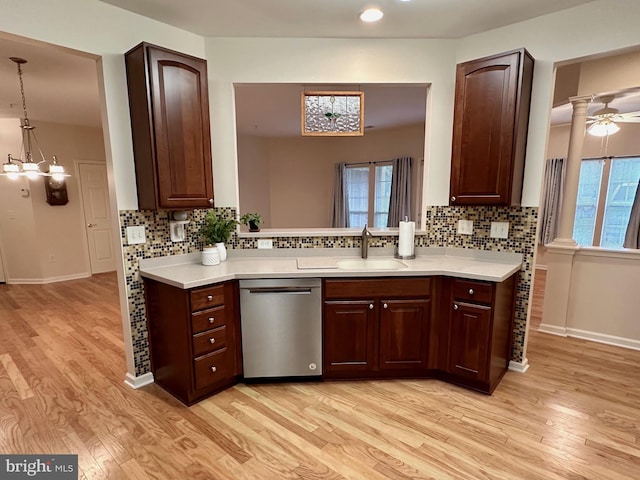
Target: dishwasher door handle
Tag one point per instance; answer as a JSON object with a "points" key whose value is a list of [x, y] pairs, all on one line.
{"points": [[282, 290]]}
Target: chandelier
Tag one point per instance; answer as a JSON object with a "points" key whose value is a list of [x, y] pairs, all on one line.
{"points": [[27, 166]]}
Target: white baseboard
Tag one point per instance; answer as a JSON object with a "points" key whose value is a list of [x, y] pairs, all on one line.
{"points": [[604, 338], [552, 329], [519, 367], [42, 281], [140, 381]]}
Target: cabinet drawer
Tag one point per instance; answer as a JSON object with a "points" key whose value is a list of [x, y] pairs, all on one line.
{"points": [[208, 319], [212, 368], [207, 297], [472, 291], [357, 288], [209, 341]]}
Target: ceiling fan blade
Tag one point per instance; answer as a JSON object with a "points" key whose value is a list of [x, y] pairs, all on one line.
{"points": [[629, 120], [630, 114]]}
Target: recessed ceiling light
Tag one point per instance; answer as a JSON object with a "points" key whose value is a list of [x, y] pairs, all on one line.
{"points": [[371, 15]]}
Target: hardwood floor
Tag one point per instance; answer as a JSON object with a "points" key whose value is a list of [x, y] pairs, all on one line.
{"points": [[573, 415]]}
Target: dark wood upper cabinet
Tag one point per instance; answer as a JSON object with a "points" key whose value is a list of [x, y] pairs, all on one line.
{"points": [[169, 109], [490, 125]]}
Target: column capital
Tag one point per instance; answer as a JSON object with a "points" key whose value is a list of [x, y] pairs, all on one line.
{"points": [[581, 99]]}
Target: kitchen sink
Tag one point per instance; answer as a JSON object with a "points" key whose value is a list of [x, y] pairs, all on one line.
{"points": [[370, 264]]}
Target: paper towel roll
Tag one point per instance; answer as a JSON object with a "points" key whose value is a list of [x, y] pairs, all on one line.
{"points": [[406, 236]]}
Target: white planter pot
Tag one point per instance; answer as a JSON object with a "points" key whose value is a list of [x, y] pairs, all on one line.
{"points": [[222, 251], [210, 256]]}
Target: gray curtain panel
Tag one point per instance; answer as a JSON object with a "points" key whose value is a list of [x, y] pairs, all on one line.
{"points": [[632, 238], [340, 207], [400, 201], [553, 187]]}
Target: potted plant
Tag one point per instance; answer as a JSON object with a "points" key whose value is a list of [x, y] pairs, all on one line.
{"points": [[251, 220], [215, 231]]}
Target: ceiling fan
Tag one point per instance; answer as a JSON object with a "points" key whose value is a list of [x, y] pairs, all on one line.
{"points": [[603, 121]]}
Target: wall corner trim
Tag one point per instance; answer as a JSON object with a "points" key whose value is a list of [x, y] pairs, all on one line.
{"points": [[140, 381], [519, 367]]}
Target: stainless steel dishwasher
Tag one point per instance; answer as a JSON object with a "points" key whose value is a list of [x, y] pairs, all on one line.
{"points": [[281, 327]]}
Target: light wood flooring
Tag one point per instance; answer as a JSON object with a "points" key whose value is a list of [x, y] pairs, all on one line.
{"points": [[575, 414]]}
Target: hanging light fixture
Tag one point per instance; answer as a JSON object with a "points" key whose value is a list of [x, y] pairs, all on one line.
{"points": [[28, 167], [603, 127]]}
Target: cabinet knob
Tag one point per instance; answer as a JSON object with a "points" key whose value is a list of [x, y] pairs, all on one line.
{"points": [[455, 306], [212, 340], [209, 298], [214, 369], [453, 199], [211, 319], [371, 306], [384, 305], [211, 201], [471, 291]]}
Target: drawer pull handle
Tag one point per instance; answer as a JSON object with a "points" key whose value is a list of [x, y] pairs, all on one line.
{"points": [[211, 319], [209, 298], [384, 305], [371, 306], [471, 291], [212, 340], [214, 369], [455, 306]]}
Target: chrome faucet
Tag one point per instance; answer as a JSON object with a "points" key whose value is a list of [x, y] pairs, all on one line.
{"points": [[364, 248]]}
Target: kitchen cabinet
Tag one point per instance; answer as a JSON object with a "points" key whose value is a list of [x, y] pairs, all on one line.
{"points": [[194, 338], [479, 331], [491, 117], [169, 108], [376, 327]]}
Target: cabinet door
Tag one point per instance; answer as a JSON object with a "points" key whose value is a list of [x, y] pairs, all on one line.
{"points": [[469, 341], [181, 128], [404, 334], [483, 130], [349, 336]]}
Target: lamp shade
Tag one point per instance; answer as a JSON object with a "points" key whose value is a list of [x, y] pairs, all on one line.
{"points": [[603, 128]]}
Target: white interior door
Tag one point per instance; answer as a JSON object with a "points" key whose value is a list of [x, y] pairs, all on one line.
{"points": [[97, 215]]}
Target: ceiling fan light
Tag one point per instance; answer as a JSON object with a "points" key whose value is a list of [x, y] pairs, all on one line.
{"points": [[602, 129], [371, 15]]}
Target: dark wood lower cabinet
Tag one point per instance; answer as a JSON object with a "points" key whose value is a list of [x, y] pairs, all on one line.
{"points": [[404, 334], [455, 329], [376, 327], [349, 334], [470, 328], [194, 338]]}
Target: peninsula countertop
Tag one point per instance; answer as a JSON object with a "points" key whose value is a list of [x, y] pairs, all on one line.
{"points": [[186, 271]]}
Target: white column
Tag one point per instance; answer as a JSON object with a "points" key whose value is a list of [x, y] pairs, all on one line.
{"points": [[572, 174], [561, 251]]}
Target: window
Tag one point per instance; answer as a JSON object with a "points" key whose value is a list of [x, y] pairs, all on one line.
{"points": [[363, 207], [606, 191]]}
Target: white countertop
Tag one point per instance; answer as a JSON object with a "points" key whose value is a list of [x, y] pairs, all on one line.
{"points": [[185, 271]]}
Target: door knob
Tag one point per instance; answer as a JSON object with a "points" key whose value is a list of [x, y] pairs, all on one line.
{"points": [[384, 305], [371, 306], [455, 306], [453, 199]]}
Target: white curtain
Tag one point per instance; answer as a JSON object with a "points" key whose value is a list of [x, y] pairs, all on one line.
{"points": [[553, 186], [340, 207], [632, 238], [400, 200]]}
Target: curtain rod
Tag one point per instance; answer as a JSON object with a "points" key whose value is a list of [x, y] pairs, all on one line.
{"points": [[367, 163]]}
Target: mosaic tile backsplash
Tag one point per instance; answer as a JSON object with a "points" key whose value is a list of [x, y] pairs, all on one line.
{"points": [[441, 226]]}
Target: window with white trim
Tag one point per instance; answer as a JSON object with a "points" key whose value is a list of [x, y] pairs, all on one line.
{"points": [[606, 191], [360, 180]]}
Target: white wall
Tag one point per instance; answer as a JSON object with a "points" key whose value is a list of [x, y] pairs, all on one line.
{"points": [[254, 168], [307, 60]]}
